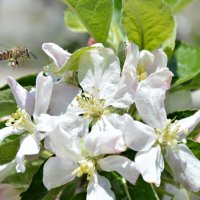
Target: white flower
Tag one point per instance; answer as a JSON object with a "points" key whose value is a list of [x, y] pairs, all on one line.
{"points": [[161, 135], [47, 97], [76, 156], [103, 86], [139, 65]]}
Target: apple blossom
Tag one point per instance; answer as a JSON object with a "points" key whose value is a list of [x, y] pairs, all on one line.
{"points": [[77, 155], [161, 136]]}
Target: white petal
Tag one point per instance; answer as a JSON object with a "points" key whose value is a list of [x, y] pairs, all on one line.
{"points": [[64, 144], [58, 171], [106, 136], [188, 124], [150, 164], [99, 72], [124, 96], [44, 86], [24, 99], [132, 57], [150, 97], [146, 60], [159, 61], [125, 167], [61, 97], [7, 131], [56, 53], [99, 188], [28, 146], [138, 136], [186, 167], [6, 169]]}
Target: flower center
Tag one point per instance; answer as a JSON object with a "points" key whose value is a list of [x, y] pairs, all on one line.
{"points": [[168, 136], [92, 107], [21, 120], [86, 166], [141, 73]]}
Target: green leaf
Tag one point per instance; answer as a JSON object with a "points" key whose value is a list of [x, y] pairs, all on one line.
{"points": [[72, 22], [194, 147], [186, 66], [8, 148], [142, 190], [36, 190], [69, 190], [24, 81], [148, 23], [72, 63], [80, 196], [95, 15], [178, 5], [7, 103]]}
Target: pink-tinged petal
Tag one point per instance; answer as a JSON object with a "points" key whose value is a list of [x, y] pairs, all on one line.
{"points": [[24, 99], [125, 167], [188, 124], [99, 72], [106, 136], [56, 53], [7, 131], [99, 188], [58, 171], [198, 139], [44, 87], [138, 136], [186, 167], [9, 192], [150, 96], [150, 164], [6, 169], [62, 95], [28, 146]]}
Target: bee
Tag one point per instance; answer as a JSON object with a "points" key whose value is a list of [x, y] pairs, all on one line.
{"points": [[14, 54]]}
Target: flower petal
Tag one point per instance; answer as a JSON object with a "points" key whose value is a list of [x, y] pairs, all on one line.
{"points": [[138, 136], [186, 167], [124, 96], [99, 72], [106, 136], [62, 96], [99, 188], [58, 171], [188, 124], [6, 169], [56, 53], [44, 86], [125, 167], [24, 99], [150, 97], [146, 59], [7, 131], [150, 164], [64, 144], [28, 146]]}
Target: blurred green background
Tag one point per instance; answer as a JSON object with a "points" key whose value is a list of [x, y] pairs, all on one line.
{"points": [[30, 23]]}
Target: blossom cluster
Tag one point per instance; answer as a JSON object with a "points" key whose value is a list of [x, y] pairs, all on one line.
{"points": [[88, 125]]}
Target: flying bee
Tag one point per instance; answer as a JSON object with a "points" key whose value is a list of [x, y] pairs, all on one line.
{"points": [[14, 54]]}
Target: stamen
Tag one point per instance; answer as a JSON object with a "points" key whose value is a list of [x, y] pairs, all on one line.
{"points": [[92, 107], [86, 166], [141, 73], [21, 120]]}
